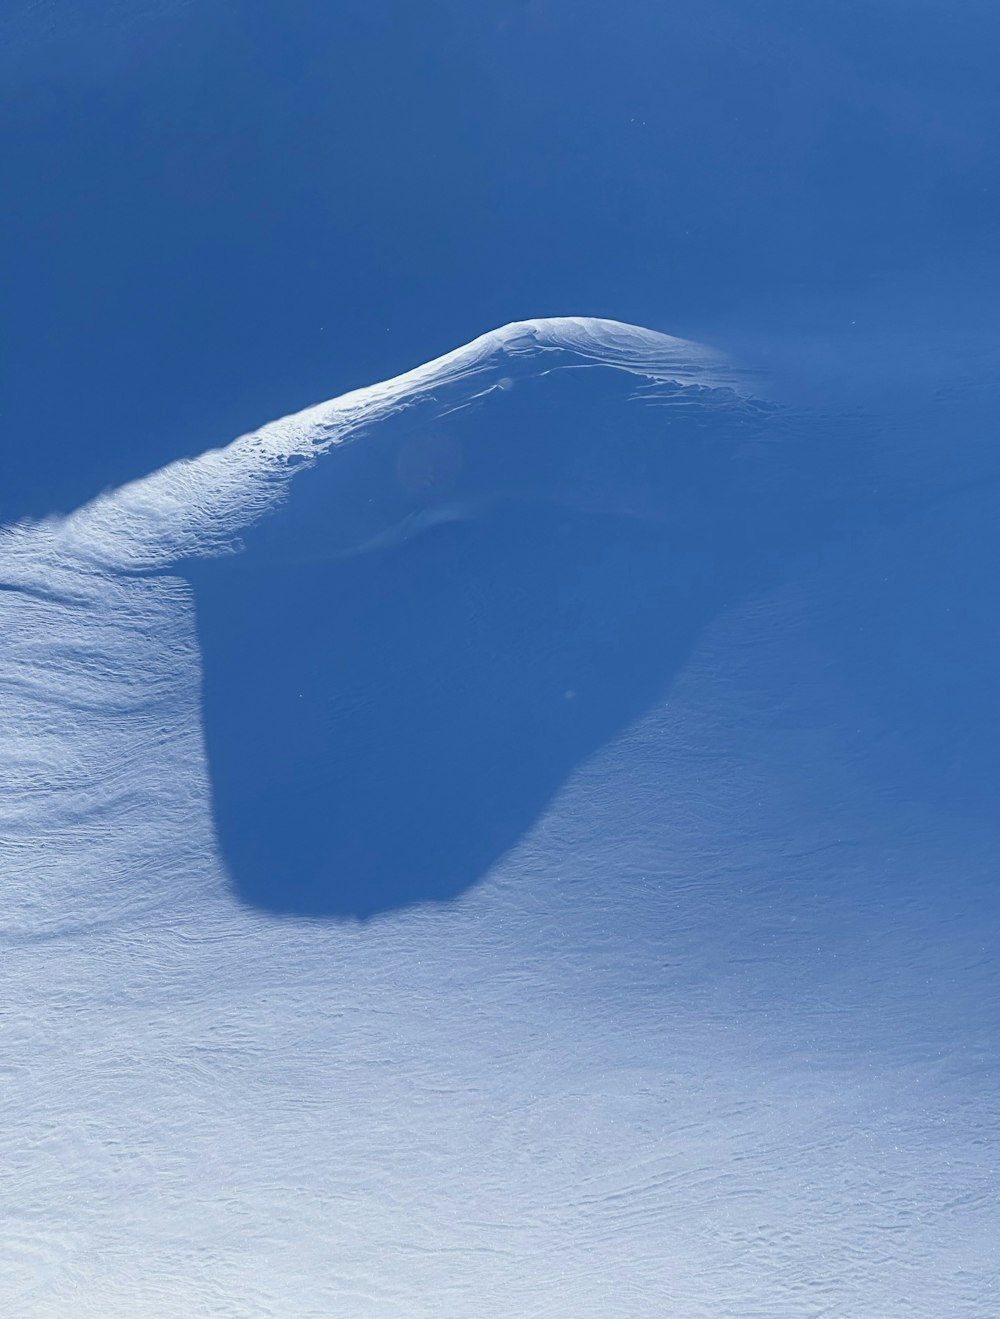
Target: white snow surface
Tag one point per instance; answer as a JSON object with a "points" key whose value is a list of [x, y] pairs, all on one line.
{"points": [[658, 1063]]}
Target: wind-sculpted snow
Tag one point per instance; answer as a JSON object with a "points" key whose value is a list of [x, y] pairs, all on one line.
{"points": [[699, 1029], [197, 506], [105, 790]]}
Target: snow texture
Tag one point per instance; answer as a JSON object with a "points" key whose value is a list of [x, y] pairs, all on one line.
{"points": [[685, 1052]]}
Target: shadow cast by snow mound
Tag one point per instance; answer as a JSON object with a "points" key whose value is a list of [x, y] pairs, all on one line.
{"points": [[381, 731], [413, 654]]}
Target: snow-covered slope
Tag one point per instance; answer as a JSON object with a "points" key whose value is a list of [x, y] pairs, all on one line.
{"points": [[709, 1037]]}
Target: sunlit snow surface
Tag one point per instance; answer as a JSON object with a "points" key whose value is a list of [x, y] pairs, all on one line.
{"points": [[697, 1023]]}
